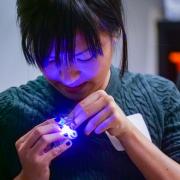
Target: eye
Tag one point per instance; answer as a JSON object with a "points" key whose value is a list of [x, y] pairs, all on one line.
{"points": [[85, 60]]}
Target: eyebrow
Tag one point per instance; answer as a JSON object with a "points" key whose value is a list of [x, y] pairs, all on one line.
{"points": [[78, 54]]}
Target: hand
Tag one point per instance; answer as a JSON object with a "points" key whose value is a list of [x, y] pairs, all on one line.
{"points": [[35, 153], [103, 113]]}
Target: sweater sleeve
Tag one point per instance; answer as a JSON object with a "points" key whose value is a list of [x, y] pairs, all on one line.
{"points": [[171, 138], [4, 109], [169, 98], [7, 148]]}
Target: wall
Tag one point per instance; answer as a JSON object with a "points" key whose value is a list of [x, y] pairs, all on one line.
{"points": [[141, 19], [13, 69]]}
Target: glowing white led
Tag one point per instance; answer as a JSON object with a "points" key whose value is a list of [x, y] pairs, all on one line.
{"points": [[72, 134]]}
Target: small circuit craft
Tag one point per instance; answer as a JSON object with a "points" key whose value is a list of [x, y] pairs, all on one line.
{"points": [[66, 124]]}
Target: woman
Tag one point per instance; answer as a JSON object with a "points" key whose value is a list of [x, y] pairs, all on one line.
{"points": [[72, 43]]}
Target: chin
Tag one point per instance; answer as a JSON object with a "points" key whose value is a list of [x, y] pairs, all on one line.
{"points": [[75, 96]]}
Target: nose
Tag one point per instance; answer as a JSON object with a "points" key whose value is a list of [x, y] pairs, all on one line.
{"points": [[69, 75]]}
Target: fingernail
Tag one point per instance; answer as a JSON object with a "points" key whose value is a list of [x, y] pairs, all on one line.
{"points": [[66, 135], [60, 126], [68, 143], [87, 130]]}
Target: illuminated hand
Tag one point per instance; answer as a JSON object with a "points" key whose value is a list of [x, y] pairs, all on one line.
{"points": [[103, 114], [35, 151]]}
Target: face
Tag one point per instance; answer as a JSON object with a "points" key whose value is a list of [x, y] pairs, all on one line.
{"points": [[86, 75]]}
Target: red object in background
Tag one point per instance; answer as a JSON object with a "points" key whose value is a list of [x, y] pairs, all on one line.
{"points": [[168, 42], [174, 57]]}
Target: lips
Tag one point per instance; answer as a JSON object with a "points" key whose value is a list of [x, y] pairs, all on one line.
{"points": [[75, 88]]}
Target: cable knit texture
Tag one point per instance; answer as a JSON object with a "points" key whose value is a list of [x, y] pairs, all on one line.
{"points": [[92, 157]]}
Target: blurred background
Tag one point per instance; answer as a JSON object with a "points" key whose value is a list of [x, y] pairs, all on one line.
{"points": [[153, 29]]}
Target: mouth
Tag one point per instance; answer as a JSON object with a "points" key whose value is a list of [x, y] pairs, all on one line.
{"points": [[75, 88]]}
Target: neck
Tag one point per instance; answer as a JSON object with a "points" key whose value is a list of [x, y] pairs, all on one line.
{"points": [[106, 80]]}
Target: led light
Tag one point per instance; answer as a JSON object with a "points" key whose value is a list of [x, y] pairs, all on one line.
{"points": [[72, 134], [65, 129]]}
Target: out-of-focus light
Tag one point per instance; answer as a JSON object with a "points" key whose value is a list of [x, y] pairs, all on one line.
{"points": [[174, 57]]}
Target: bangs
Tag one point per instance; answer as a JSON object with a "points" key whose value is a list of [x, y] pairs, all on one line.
{"points": [[55, 24]]}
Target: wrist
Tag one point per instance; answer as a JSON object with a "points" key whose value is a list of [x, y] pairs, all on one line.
{"points": [[127, 131]]}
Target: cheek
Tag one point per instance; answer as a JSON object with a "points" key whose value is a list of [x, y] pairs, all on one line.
{"points": [[89, 70], [51, 73]]}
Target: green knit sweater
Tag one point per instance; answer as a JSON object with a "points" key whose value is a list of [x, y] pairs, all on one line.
{"points": [[91, 157]]}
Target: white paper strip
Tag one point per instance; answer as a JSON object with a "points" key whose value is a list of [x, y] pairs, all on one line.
{"points": [[138, 121]]}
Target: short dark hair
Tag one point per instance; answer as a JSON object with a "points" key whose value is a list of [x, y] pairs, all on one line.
{"points": [[47, 22]]}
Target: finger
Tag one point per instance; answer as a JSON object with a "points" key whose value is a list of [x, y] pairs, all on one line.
{"points": [[48, 121], [89, 111], [46, 141], [86, 102], [20, 142], [105, 125], [22, 139], [97, 120], [40, 131], [54, 152]]}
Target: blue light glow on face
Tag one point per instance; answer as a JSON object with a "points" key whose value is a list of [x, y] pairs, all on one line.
{"points": [[88, 71]]}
